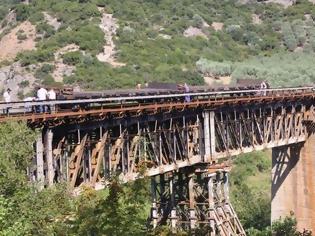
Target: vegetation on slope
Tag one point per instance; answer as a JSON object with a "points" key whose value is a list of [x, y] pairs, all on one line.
{"points": [[250, 190], [150, 39], [292, 69]]}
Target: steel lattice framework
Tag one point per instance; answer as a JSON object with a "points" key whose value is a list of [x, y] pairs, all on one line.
{"points": [[178, 145]]}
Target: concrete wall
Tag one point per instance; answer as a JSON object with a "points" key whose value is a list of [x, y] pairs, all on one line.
{"points": [[293, 183]]}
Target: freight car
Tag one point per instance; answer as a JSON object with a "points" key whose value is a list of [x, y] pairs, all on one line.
{"points": [[70, 100], [156, 88]]}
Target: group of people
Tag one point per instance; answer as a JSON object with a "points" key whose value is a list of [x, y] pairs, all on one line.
{"points": [[41, 95]]}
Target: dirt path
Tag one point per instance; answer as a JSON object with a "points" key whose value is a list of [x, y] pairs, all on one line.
{"points": [[109, 26]]}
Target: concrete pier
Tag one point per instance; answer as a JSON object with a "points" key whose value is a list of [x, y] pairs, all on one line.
{"points": [[293, 183]]}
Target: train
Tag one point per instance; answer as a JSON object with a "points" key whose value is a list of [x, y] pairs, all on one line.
{"points": [[68, 99], [157, 88]]}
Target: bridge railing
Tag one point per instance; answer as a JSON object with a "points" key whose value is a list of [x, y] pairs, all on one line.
{"points": [[25, 108]]}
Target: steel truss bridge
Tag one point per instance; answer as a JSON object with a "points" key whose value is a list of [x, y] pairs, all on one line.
{"points": [[184, 147]]}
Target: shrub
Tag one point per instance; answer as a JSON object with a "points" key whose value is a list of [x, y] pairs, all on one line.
{"points": [[22, 12], [45, 29], [33, 57], [47, 68], [89, 38], [197, 21], [299, 31], [21, 37], [235, 31], [289, 37], [3, 12], [72, 58], [277, 25], [24, 84], [36, 17], [213, 68]]}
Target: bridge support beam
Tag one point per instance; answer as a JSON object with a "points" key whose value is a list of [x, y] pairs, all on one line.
{"points": [[195, 200], [293, 183], [49, 157], [209, 135], [40, 177]]}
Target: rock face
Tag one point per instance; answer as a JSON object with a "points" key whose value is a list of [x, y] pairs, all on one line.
{"points": [[52, 21], [14, 77], [193, 32], [217, 26], [285, 3]]}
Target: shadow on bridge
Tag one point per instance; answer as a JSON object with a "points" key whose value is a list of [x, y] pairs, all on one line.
{"points": [[284, 159]]}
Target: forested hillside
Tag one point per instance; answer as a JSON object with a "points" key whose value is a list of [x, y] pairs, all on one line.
{"points": [[100, 44]]}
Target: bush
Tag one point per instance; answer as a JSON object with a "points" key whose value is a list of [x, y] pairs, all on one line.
{"points": [[22, 12], [33, 57], [21, 37], [45, 30], [48, 80], [46, 68], [89, 37], [299, 31], [24, 84], [72, 58], [289, 37], [3, 12], [235, 31], [213, 68], [197, 21]]}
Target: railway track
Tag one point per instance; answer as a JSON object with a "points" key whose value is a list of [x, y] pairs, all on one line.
{"points": [[146, 104]]}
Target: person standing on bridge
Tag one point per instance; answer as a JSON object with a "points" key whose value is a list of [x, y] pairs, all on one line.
{"points": [[263, 87], [42, 95], [187, 97], [7, 99], [52, 97]]}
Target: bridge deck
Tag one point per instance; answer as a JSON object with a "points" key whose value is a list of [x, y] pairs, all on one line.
{"points": [[101, 107]]}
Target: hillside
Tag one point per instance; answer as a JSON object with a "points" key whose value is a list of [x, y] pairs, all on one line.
{"points": [[107, 44], [101, 44]]}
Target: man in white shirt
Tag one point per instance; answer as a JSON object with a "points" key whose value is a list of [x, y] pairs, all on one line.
{"points": [[51, 97], [42, 95], [7, 99], [51, 94]]}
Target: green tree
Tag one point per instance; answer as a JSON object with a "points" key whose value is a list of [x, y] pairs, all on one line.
{"points": [[287, 227], [123, 211], [15, 156], [22, 12]]}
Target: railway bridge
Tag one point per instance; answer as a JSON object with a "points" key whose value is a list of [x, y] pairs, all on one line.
{"points": [[184, 147]]}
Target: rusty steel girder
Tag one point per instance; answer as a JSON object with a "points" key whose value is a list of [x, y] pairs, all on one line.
{"points": [[150, 145], [194, 199]]}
